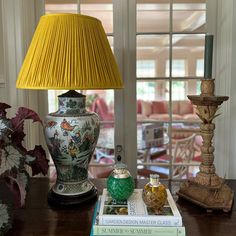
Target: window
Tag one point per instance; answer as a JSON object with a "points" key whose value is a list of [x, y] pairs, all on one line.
{"points": [[169, 60], [178, 68], [170, 33], [178, 90], [146, 91], [146, 68], [200, 67]]}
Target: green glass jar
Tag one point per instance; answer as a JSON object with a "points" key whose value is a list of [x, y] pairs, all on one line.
{"points": [[120, 183], [154, 194]]}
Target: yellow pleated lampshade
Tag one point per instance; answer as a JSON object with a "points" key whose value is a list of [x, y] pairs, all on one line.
{"points": [[69, 51]]}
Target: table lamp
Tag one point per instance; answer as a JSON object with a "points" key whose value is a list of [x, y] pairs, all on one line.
{"points": [[70, 52]]}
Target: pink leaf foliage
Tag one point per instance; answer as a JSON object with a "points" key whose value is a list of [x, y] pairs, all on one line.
{"points": [[18, 186], [40, 165], [3, 107], [17, 138], [14, 156], [23, 114], [17, 124]]}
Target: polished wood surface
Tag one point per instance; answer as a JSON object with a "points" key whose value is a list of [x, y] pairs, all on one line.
{"points": [[39, 218]]}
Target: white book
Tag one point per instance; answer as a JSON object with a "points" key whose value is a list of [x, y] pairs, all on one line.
{"points": [[135, 212]]}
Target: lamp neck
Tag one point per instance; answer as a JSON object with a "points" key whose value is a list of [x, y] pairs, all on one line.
{"points": [[71, 103]]}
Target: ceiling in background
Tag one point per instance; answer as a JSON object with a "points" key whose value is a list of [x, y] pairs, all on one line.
{"points": [[153, 17]]}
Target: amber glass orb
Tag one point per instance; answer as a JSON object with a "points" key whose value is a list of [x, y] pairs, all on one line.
{"points": [[154, 194]]}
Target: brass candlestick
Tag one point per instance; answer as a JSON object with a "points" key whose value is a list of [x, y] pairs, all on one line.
{"points": [[207, 189]]}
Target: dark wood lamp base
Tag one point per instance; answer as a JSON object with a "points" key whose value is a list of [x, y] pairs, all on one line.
{"points": [[60, 200]]}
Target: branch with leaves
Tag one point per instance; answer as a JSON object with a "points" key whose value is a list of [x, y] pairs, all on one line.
{"points": [[14, 157]]}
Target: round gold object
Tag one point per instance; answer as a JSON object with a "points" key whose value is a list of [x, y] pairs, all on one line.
{"points": [[154, 194]]}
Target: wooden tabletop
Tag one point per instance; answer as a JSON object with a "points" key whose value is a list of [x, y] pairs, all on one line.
{"points": [[38, 218]]}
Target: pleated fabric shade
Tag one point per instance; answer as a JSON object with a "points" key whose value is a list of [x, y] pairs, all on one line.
{"points": [[69, 51]]}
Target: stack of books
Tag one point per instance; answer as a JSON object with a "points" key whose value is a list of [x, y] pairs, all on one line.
{"points": [[133, 217]]}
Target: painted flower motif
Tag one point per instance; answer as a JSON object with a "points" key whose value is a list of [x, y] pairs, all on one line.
{"points": [[71, 104]]}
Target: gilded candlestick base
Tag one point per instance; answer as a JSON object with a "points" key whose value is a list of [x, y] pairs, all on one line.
{"points": [[218, 198], [207, 189]]}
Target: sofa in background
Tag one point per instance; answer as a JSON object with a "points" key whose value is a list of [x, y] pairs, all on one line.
{"points": [[159, 110], [151, 110]]}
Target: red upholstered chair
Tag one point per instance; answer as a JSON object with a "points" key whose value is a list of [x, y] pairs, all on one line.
{"points": [[101, 108]]}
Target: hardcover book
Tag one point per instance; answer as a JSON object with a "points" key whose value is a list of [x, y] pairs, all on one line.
{"points": [[129, 230], [138, 230], [135, 212]]}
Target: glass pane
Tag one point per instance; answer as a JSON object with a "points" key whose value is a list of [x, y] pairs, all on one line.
{"points": [[200, 67], [184, 154], [152, 143], [152, 90], [146, 68], [192, 87], [188, 50], [60, 6], [182, 109], [178, 68], [152, 101], [103, 10], [52, 99], [186, 145], [103, 159], [189, 16], [101, 102], [153, 16], [111, 42], [152, 54]]}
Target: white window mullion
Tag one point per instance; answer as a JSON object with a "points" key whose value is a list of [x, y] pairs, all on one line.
{"points": [[125, 100]]}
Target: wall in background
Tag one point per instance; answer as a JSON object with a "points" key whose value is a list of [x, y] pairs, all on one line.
{"points": [[18, 20], [225, 136], [2, 77]]}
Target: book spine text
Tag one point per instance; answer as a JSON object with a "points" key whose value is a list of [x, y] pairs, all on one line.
{"points": [[144, 221], [136, 230]]}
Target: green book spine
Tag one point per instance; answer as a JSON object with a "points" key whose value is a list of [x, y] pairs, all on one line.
{"points": [[136, 230], [95, 212]]}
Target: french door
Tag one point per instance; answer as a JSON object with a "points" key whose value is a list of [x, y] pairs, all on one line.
{"points": [[159, 47]]}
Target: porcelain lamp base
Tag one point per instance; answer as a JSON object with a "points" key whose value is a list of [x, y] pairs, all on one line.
{"points": [[71, 135]]}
